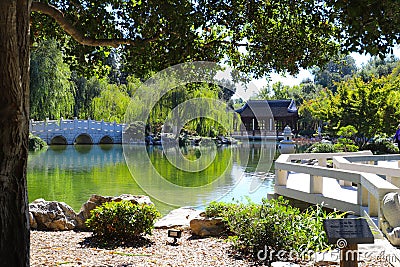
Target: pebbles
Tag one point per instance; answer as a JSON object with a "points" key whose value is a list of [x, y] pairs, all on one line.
{"points": [[69, 248]]}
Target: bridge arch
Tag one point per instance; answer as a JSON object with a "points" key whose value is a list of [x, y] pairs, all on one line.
{"points": [[83, 139], [106, 140], [58, 140]]}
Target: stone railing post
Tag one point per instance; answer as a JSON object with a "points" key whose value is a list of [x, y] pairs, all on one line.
{"points": [[75, 123], [61, 123], [281, 177], [364, 196], [373, 206], [30, 125], [102, 124], [316, 184], [45, 125]]}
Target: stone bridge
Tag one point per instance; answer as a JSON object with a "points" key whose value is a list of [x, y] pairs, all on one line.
{"points": [[70, 132]]}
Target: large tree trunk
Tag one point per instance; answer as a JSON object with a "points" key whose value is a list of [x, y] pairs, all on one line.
{"points": [[14, 129]]}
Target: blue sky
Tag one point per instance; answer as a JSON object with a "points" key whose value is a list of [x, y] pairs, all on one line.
{"points": [[256, 85]]}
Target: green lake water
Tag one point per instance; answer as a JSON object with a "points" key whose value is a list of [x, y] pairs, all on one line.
{"points": [[73, 173]]}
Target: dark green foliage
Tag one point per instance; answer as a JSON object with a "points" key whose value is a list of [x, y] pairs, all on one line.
{"points": [[366, 26], [335, 71], [122, 220], [382, 146], [321, 148], [273, 225], [377, 67], [36, 143]]}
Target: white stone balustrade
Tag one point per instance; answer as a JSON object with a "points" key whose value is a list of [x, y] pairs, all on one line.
{"points": [[361, 192], [77, 131]]}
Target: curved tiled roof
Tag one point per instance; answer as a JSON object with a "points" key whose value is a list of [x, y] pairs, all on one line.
{"points": [[279, 108]]}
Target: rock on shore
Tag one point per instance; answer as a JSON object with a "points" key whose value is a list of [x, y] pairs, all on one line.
{"points": [[58, 216]]}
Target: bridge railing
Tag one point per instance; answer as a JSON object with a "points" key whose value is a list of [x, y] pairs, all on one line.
{"points": [[370, 188], [72, 125], [370, 164]]}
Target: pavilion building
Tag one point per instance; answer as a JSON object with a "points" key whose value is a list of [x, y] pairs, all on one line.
{"points": [[266, 118]]}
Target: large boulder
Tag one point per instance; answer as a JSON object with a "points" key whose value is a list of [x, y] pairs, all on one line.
{"points": [[177, 218], [204, 226], [51, 215], [97, 200]]}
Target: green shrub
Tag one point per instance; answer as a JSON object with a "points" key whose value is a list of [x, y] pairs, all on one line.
{"points": [[122, 220], [274, 225], [321, 148], [217, 209], [340, 147], [36, 143], [382, 146]]}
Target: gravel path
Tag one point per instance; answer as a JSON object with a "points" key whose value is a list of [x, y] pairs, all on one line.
{"points": [[69, 248]]}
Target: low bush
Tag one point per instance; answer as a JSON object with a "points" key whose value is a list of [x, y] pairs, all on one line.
{"points": [[382, 146], [122, 220], [321, 148], [340, 147], [36, 143], [273, 225]]}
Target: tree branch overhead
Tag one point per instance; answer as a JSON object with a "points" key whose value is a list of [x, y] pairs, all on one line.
{"points": [[69, 28]]}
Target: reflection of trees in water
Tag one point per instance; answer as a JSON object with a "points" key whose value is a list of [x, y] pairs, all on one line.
{"points": [[67, 174]]}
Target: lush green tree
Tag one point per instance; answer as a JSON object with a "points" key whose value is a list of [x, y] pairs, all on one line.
{"points": [[51, 92], [281, 35], [366, 25], [371, 107], [377, 67], [335, 71], [346, 138], [111, 104], [86, 90]]}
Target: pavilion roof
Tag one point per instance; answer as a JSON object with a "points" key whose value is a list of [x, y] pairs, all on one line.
{"points": [[279, 108]]}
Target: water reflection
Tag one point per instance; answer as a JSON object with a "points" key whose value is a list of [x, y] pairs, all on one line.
{"points": [[72, 173]]}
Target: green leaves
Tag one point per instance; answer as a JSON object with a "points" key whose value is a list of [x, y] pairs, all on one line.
{"points": [[122, 220], [273, 225], [51, 92]]}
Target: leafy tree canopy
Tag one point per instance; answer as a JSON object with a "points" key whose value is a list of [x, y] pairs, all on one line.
{"points": [[335, 71], [254, 36], [51, 92]]}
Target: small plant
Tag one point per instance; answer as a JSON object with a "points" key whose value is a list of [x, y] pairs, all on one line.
{"points": [[321, 148], [273, 225], [122, 220]]}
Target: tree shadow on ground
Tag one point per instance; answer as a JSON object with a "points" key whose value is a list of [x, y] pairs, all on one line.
{"points": [[112, 243]]}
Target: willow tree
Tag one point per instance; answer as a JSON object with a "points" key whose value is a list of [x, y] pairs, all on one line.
{"points": [[254, 36], [51, 91]]}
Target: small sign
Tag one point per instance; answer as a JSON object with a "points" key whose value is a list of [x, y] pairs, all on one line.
{"points": [[353, 231]]}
